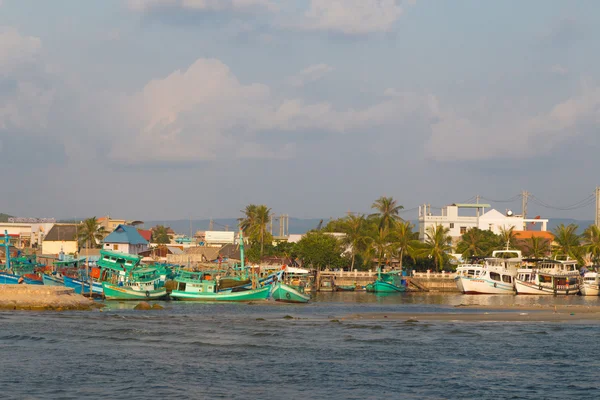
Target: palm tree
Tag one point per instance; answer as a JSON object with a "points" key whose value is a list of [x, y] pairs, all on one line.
{"points": [[354, 227], [567, 241], [508, 237], [387, 211], [90, 233], [262, 218], [248, 221], [591, 238], [437, 245], [537, 247], [404, 242], [382, 243], [472, 244]]}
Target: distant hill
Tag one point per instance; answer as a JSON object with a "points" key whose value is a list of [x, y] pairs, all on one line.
{"points": [[297, 225], [4, 217]]}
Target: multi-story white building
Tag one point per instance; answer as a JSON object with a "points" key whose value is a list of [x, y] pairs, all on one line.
{"points": [[458, 223]]}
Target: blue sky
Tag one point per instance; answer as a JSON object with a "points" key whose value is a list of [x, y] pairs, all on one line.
{"points": [[160, 109]]}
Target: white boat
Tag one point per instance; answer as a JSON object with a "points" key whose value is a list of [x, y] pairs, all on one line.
{"points": [[590, 285], [496, 275], [549, 277], [466, 270]]}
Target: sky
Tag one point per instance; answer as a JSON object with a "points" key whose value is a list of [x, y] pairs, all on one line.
{"points": [[167, 109]]}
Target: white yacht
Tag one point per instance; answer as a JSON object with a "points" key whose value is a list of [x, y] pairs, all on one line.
{"points": [[590, 285], [467, 271], [496, 275], [549, 277]]}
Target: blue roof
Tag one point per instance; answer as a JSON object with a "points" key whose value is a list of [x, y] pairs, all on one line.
{"points": [[125, 234]]}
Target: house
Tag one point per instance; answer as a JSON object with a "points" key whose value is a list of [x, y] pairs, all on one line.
{"points": [[125, 239], [146, 234], [110, 224], [61, 237], [459, 218]]}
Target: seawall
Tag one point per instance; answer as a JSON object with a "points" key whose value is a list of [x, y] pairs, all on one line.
{"points": [[41, 297]]}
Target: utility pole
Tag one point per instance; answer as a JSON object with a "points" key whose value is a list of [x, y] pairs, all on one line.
{"points": [[598, 207], [477, 209], [210, 225], [525, 199]]}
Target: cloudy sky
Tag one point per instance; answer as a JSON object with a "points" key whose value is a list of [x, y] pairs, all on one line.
{"points": [[160, 109]]}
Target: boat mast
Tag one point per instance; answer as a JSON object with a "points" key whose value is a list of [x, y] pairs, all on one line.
{"points": [[241, 239], [7, 249]]}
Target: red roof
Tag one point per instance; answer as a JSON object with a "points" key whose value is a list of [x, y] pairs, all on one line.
{"points": [[146, 234], [529, 234]]}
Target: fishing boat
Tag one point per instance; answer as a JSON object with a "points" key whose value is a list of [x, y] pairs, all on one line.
{"points": [[54, 275], [345, 288], [20, 269], [326, 284], [590, 285], [289, 294], [123, 278], [495, 276], [81, 285], [387, 282], [190, 285], [548, 277], [466, 270]]}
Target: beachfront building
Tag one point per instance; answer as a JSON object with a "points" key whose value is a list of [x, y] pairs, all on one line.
{"points": [[125, 239], [62, 238], [26, 233], [459, 218]]}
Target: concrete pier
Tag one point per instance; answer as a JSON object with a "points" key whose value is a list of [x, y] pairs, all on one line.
{"points": [[423, 281], [40, 297]]}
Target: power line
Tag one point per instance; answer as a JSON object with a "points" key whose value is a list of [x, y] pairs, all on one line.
{"points": [[514, 198], [580, 204]]}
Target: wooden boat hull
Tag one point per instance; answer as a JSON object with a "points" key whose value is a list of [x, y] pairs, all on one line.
{"points": [[288, 294], [245, 295], [384, 287], [532, 288], [51, 280], [11, 279], [345, 288], [114, 292], [479, 285], [81, 287], [589, 289]]}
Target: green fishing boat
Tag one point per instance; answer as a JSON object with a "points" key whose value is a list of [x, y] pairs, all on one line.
{"points": [[123, 278], [388, 282], [194, 286], [289, 294], [345, 288]]}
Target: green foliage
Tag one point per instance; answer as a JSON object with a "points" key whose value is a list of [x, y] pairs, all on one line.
{"points": [[387, 211], [437, 245], [591, 243], [536, 247], [254, 225], [477, 243], [320, 250], [4, 217], [160, 234], [90, 233], [567, 242]]}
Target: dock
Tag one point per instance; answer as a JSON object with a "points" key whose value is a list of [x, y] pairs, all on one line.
{"points": [[41, 297], [417, 281]]}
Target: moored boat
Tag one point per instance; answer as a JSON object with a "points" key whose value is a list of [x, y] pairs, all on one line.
{"points": [[345, 288], [590, 285], [289, 294], [387, 282], [191, 285], [495, 276], [548, 277], [466, 270]]}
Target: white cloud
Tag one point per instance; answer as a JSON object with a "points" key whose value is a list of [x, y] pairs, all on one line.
{"points": [[352, 17], [559, 69], [456, 136], [208, 5], [204, 112], [16, 50], [25, 104], [310, 74]]}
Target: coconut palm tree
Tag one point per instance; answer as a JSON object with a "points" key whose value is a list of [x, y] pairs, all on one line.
{"points": [[382, 243], [438, 243], [90, 233], [354, 227], [591, 238], [537, 247], [262, 217], [473, 243], [567, 241], [387, 211], [404, 241], [248, 221], [508, 237]]}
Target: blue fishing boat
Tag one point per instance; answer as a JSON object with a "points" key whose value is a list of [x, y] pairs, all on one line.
{"points": [[19, 270], [82, 285]]}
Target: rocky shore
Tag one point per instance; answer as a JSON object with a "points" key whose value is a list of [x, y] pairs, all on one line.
{"points": [[40, 297]]}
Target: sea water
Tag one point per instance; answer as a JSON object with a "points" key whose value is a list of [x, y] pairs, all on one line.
{"points": [[231, 351]]}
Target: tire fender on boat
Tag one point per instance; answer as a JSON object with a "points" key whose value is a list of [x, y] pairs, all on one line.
{"points": [[147, 293], [288, 296]]}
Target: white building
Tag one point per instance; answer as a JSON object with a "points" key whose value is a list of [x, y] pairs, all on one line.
{"points": [[458, 224], [26, 234], [125, 239]]}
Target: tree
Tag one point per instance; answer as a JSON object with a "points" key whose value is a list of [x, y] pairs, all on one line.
{"points": [[356, 236], [536, 247], [567, 241], [591, 240], [404, 240], [160, 235], [477, 243], [387, 211], [437, 245], [507, 237], [254, 224], [247, 222], [90, 233], [319, 250]]}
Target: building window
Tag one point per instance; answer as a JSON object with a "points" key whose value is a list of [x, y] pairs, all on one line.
{"points": [[463, 230], [451, 225], [490, 226], [115, 247]]}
